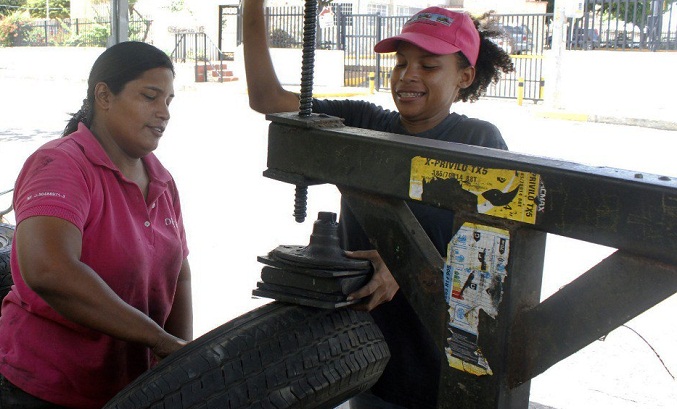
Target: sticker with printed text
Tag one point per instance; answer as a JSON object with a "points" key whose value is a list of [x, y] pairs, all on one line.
{"points": [[508, 194], [474, 272]]}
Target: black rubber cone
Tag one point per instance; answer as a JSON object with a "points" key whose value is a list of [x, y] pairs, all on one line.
{"points": [[317, 275], [323, 251]]}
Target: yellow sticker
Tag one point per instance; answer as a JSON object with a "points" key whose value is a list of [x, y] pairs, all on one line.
{"points": [[508, 194]]}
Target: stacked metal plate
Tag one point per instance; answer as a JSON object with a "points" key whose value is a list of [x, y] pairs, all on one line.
{"points": [[318, 275]]}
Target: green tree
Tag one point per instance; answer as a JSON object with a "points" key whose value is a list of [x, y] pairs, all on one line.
{"points": [[644, 14], [130, 4], [11, 6], [57, 8], [633, 11], [14, 28]]}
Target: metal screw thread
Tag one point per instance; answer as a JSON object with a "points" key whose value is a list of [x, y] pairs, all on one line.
{"points": [[300, 203], [308, 61]]}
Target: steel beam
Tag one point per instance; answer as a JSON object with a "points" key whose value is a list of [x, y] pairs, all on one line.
{"points": [[617, 208], [376, 173], [409, 254], [417, 266], [610, 294], [521, 291]]}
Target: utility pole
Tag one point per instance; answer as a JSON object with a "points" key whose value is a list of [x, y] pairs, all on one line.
{"points": [[119, 14], [655, 24], [563, 10], [553, 94]]}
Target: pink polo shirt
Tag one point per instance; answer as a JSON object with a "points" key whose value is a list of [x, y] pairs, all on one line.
{"points": [[136, 246]]}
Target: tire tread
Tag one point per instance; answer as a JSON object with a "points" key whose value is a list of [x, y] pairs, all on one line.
{"points": [[278, 356]]}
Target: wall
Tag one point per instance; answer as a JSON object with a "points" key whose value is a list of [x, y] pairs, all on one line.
{"points": [[604, 82], [505, 6], [328, 69], [596, 82]]}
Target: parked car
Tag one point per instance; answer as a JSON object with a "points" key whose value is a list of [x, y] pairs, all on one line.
{"points": [[668, 42], [584, 38], [506, 42], [522, 39], [622, 39]]}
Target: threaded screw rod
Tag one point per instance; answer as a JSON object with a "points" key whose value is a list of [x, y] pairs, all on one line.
{"points": [[300, 203], [308, 60]]}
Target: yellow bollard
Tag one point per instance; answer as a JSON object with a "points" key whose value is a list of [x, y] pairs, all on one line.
{"points": [[541, 91], [372, 86], [520, 91]]}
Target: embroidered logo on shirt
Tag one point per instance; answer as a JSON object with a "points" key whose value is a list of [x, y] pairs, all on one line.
{"points": [[43, 194], [170, 222]]}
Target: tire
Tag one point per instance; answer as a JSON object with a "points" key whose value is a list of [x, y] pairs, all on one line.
{"points": [[276, 356], [6, 234]]}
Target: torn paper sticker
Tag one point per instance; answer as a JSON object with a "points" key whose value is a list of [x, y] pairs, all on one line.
{"points": [[474, 273]]}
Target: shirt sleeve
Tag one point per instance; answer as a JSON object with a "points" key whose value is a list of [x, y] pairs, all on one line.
{"points": [[356, 113], [476, 132], [52, 184]]}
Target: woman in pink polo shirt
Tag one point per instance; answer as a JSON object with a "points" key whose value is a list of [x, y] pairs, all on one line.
{"points": [[99, 258]]}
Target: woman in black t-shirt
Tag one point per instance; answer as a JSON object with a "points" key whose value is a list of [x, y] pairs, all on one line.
{"points": [[441, 57]]}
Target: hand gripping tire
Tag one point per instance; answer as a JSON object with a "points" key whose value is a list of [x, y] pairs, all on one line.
{"points": [[277, 356], [6, 234]]}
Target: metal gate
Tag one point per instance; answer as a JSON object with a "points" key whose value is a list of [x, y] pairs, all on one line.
{"points": [[525, 36], [230, 31], [356, 34], [361, 33]]}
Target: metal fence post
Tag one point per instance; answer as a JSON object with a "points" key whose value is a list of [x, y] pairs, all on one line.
{"points": [[379, 37], [119, 22]]}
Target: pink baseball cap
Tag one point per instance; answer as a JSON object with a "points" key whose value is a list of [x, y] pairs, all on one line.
{"points": [[438, 31]]}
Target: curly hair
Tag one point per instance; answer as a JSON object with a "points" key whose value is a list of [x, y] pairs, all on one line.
{"points": [[491, 62]]}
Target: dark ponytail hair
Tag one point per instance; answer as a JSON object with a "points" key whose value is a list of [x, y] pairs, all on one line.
{"points": [[116, 66], [491, 62]]}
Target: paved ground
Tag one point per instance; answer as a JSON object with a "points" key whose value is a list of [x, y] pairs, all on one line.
{"points": [[216, 148]]}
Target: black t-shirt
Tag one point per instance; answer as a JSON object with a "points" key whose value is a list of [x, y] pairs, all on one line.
{"points": [[411, 377]]}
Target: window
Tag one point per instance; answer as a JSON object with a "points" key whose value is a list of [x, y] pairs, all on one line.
{"points": [[406, 10], [381, 9], [346, 10]]}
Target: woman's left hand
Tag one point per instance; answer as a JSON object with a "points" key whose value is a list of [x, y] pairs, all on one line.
{"points": [[380, 289], [166, 345]]}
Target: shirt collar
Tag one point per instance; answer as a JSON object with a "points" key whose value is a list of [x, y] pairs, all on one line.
{"points": [[98, 156]]}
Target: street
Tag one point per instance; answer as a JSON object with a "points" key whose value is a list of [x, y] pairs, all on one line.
{"points": [[215, 146]]}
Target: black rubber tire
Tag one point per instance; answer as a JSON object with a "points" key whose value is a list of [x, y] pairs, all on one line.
{"points": [[276, 356], [6, 234]]}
